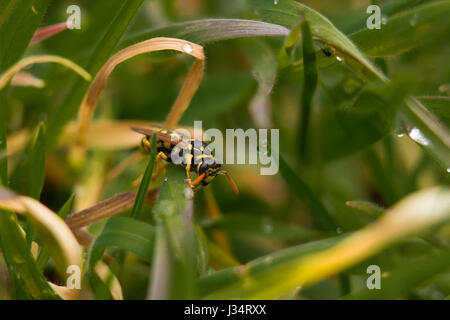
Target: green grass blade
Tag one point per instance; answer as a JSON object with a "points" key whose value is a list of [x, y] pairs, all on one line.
{"points": [[319, 213], [175, 248], [220, 279], [428, 132], [407, 276], [37, 163], [276, 278], [3, 143], [128, 235], [17, 27], [355, 20], [143, 187], [288, 13], [309, 85], [406, 30], [208, 30], [23, 262], [439, 106], [255, 225]]}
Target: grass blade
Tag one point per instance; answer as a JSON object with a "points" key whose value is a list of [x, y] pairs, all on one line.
{"points": [[44, 255], [208, 30], [13, 242], [143, 187], [110, 36], [309, 85], [413, 214], [175, 247], [37, 163], [406, 277], [128, 235], [18, 27], [406, 30], [320, 213]]}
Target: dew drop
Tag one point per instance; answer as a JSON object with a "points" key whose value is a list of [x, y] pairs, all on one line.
{"points": [[413, 21], [267, 226], [339, 230], [339, 58], [418, 137], [165, 178], [275, 2], [187, 48]]}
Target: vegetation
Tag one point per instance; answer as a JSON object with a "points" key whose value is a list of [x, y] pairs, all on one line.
{"points": [[364, 151]]}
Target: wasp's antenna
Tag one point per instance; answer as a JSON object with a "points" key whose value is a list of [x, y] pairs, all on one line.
{"points": [[226, 174]]}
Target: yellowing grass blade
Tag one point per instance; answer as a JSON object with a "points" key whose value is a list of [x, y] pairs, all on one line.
{"points": [[8, 74], [55, 234], [413, 214]]}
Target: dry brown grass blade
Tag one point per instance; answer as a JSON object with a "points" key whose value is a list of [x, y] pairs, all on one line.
{"points": [[187, 92], [106, 209], [108, 135], [64, 292], [55, 234], [152, 45]]}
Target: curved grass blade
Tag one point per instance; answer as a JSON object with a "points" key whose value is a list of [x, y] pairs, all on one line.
{"points": [[187, 91], [53, 232], [415, 213], [288, 13], [121, 15], [216, 281], [13, 242], [209, 30], [8, 74], [44, 255]]}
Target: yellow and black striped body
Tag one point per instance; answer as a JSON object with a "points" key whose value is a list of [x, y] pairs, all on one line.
{"points": [[196, 155]]}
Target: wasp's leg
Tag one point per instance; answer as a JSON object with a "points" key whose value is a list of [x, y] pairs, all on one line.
{"points": [[199, 179], [145, 145], [188, 159], [159, 156], [197, 188]]}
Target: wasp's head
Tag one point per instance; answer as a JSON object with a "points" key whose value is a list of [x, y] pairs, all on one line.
{"points": [[211, 169]]}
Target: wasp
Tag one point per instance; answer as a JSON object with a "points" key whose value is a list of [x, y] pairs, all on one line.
{"points": [[195, 153]]}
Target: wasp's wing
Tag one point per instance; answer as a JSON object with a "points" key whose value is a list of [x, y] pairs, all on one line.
{"points": [[173, 138]]}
